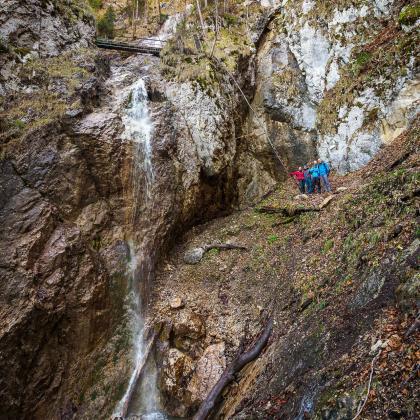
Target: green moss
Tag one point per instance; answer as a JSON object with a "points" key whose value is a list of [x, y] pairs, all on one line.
{"points": [[18, 124], [120, 390], [212, 253], [363, 58], [4, 46], [94, 395], [410, 15], [97, 243], [81, 397], [21, 51]]}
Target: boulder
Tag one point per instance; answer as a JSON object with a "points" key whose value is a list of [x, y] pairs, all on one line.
{"points": [[177, 303], [176, 369], [326, 202], [183, 343], [208, 371], [340, 189], [368, 290], [188, 324], [194, 255]]}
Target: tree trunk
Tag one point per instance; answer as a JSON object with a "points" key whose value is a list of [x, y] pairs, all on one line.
{"points": [[201, 18], [216, 30], [247, 16], [159, 8], [145, 10], [134, 16], [228, 375]]}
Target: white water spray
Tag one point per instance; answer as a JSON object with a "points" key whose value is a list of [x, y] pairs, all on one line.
{"points": [[139, 129]]}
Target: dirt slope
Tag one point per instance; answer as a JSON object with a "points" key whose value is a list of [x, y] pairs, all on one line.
{"points": [[337, 281]]}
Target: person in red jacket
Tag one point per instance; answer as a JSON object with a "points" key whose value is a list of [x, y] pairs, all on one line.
{"points": [[301, 178]]}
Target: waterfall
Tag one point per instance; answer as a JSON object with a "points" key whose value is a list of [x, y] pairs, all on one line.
{"points": [[139, 130]]}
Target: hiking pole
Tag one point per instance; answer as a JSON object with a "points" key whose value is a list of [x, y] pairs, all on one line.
{"points": [[256, 116]]}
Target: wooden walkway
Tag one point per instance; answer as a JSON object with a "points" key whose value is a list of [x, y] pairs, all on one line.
{"points": [[155, 46]]}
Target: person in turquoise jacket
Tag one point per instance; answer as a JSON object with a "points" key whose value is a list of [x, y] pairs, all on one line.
{"points": [[315, 177], [324, 171], [307, 175]]}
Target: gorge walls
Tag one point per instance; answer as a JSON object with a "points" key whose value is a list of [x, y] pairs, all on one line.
{"points": [[337, 80]]}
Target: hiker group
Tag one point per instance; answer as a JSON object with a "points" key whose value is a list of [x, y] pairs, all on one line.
{"points": [[312, 178]]}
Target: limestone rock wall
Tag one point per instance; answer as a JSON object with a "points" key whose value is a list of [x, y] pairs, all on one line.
{"points": [[337, 80], [44, 29]]}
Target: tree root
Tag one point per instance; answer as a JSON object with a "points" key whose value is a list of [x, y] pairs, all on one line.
{"points": [[240, 361], [413, 327], [368, 390]]}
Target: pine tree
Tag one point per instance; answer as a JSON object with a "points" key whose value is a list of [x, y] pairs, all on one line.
{"points": [[107, 23]]}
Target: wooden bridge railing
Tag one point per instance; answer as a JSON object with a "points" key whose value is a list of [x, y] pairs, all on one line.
{"points": [[143, 45]]}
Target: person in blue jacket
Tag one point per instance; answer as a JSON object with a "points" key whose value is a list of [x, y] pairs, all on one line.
{"points": [[315, 177], [324, 171], [307, 174]]}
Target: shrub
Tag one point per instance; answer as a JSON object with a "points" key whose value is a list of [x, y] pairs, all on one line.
{"points": [[95, 4], [328, 245], [213, 252]]}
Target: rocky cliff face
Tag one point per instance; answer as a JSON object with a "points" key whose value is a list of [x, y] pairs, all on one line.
{"points": [[71, 206], [339, 80], [74, 210]]}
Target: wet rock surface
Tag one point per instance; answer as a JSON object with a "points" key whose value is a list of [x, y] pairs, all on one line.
{"points": [[73, 219]]}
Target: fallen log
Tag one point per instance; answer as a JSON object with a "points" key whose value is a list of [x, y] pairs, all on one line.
{"points": [[284, 222], [304, 305], [270, 210], [240, 361], [221, 246], [412, 194], [288, 210], [288, 305], [139, 371], [397, 162]]}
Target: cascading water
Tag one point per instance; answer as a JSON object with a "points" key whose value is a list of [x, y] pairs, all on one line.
{"points": [[139, 129]]}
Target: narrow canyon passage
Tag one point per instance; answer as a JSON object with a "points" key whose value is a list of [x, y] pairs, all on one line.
{"points": [[149, 231]]}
